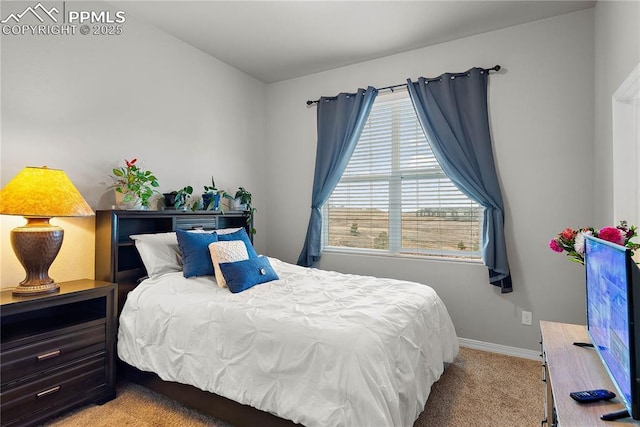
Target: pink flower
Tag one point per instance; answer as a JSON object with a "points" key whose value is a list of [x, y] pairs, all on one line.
{"points": [[567, 233], [554, 246], [611, 234]]}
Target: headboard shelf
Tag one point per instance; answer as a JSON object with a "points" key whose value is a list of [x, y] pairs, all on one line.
{"points": [[117, 259]]}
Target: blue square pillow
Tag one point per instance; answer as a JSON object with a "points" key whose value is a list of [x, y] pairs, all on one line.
{"points": [[196, 259], [242, 275], [240, 235]]}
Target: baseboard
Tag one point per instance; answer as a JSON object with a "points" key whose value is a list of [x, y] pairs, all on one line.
{"points": [[501, 349]]}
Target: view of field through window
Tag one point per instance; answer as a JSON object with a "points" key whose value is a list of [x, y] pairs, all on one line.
{"points": [[437, 233], [394, 196]]}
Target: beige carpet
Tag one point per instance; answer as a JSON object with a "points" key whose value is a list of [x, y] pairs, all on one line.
{"points": [[478, 389]]}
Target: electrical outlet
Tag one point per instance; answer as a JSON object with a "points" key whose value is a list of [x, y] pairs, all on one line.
{"points": [[526, 317]]}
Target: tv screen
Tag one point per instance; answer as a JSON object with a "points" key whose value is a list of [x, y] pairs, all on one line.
{"points": [[611, 316]]}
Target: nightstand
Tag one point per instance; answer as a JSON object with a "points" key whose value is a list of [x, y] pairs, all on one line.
{"points": [[57, 351]]}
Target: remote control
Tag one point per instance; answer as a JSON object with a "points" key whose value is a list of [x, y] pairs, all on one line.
{"points": [[592, 395]]}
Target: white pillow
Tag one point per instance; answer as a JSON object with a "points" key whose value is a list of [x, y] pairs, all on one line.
{"points": [[159, 252], [226, 251], [166, 238]]}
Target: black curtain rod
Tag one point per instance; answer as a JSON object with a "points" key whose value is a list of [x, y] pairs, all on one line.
{"points": [[392, 87]]}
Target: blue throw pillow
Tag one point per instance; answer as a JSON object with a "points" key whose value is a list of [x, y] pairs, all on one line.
{"points": [[196, 259], [242, 275], [240, 235]]}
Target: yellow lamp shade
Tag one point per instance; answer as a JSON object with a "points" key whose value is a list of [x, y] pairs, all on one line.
{"points": [[42, 192]]}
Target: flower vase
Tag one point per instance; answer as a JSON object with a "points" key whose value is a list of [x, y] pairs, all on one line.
{"points": [[237, 205], [133, 202], [211, 200], [170, 200]]}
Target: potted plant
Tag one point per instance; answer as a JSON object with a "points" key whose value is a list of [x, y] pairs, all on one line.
{"points": [[134, 184], [196, 204], [242, 201], [177, 199], [211, 197]]}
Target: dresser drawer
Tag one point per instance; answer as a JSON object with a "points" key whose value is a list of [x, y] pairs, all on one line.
{"points": [[22, 361], [73, 383]]}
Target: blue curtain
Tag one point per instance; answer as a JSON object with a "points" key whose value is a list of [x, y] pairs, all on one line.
{"points": [[340, 123], [452, 110]]}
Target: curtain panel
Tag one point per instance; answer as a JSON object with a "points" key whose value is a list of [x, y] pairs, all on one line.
{"points": [[340, 123], [452, 110]]}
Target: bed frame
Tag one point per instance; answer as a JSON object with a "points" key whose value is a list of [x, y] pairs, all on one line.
{"points": [[118, 261]]}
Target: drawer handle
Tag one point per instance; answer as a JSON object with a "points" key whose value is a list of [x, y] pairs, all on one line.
{"points": [[48, 392], [49, 355]]}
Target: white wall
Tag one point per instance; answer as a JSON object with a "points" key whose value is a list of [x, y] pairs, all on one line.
{"points": [[617, 53], [541, 110], [85, 103]]}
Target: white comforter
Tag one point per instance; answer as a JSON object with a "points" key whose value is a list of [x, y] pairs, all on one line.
{"points": [[319, 348]]}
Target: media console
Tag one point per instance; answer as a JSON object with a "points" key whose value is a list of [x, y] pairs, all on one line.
{"points": [[567, 368]]}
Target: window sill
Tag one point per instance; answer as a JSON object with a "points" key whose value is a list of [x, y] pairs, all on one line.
{"points": [[371, 253]]}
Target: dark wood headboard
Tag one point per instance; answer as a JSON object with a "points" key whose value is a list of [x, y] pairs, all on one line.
{"points": [[117, 259]]}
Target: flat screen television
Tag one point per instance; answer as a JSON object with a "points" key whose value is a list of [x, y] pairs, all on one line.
{"points": [[613, 318]]}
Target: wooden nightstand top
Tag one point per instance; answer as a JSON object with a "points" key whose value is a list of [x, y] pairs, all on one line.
{"points": [[66, 288]]}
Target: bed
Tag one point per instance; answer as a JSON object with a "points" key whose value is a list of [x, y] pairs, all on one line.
{"points": [[311, 347]]}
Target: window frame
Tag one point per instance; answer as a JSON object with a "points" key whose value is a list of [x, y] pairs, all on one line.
{"points": [[395, 180]]}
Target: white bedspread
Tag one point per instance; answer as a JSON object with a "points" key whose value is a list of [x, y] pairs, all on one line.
{"points": [[316, 347]]}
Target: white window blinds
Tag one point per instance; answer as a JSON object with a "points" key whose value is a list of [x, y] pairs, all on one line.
{"points": [[393, 196]]}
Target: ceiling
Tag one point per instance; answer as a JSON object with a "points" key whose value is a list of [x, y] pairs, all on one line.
{"points": [[279, 40]]}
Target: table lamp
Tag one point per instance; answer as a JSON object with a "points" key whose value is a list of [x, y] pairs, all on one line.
{"points": [[39, 194]]}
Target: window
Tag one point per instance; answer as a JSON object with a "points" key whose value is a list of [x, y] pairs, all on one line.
{"points": [[393, 196]]}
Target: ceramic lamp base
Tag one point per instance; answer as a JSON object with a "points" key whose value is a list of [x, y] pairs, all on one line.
{"points": [[36, 246]]}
